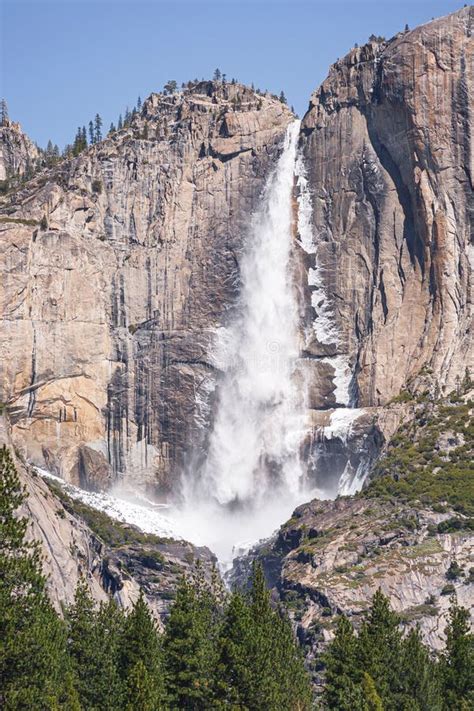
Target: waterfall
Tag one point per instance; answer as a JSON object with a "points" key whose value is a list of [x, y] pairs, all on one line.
{"points": [[253, 476], [254, 443]]}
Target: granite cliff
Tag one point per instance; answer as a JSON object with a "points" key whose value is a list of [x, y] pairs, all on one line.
{"points": [[387, 142], [118, 268], [387, 149]]}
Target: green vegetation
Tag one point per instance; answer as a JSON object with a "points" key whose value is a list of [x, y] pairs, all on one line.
{"points": [[218, 650], [403, 396], [431, 459], [381, 669], [97, 186], [18, 221], [3, 113], [35, 670]]}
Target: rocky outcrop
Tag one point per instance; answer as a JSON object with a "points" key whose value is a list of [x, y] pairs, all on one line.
{"points": [[118, 267], [18, 154], [116, 560], [410, 532], [387, 142], [332, 556]]}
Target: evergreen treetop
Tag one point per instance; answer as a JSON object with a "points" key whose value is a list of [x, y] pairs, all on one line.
{"points": [[3, 113]]}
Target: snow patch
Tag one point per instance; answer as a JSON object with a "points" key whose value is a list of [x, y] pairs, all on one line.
{"points": [[340, 425], [149, 517]]}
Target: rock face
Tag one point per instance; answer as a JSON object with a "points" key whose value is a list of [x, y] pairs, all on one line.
{"points": [[117, 269], [332, 556], [387, 142], [114, 559], [18, 154]]}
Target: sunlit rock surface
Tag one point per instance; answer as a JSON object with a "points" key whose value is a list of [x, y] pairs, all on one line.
{"points": [[387, 143], [117, 269], [18, 154]]}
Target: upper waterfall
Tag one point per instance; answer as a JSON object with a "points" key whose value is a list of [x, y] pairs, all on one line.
{"points": [[254, 443], [253, 476]]}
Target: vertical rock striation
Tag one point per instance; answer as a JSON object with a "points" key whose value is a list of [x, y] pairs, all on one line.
{"points": [[118, 267], [387, 142]]}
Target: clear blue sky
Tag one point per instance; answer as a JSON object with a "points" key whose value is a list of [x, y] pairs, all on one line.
{"points": [[63, 61]]}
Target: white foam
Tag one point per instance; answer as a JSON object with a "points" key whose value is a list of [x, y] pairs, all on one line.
{"points": [[341, 379]]}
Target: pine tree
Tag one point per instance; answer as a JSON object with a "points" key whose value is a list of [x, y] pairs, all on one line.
{"points": [[80, 141], [190, 648], [139, 692], [69, 699], [112, 129], [141, 656], [271, 671], [282, 97], [93, 648], [294, 684], [217, 75], [110, 621], [372, 701], [343, 675], [91, 133], [119, 123], [139, 103], [457, 663], [33, 659], [3, 113], [419, 676], [170, 87], [235, 650], [97, 129], [379, 649], [264, 687]]}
